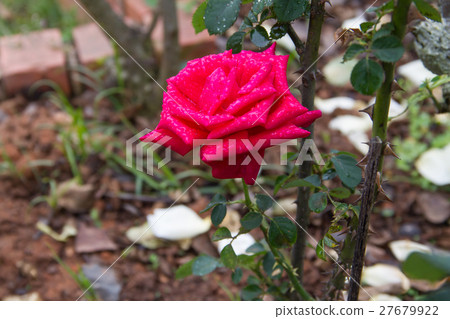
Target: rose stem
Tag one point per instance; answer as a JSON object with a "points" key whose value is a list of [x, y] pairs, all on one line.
{"points": [[308, 65], [279, 257], [379, 129]]}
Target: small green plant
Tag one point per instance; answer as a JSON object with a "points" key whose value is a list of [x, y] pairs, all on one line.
{"points": [[79, 277]]}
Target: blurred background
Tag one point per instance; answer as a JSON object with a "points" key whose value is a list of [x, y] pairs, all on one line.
{"points": [[70, 98]]}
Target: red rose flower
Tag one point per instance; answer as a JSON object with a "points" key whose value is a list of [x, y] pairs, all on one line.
{"points": [[241, 102]]}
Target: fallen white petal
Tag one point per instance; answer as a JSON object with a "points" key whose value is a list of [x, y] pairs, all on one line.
{"points": [[402, 248], [176, 223], [329, 105], [383, 275], [338, 73], [353, 23], [434, 165], [415, 72], [385, 297], [240, 244]]}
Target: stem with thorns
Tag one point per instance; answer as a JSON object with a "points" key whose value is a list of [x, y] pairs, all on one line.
{"points": [[308, 62], [279, 257], [379, 132]]}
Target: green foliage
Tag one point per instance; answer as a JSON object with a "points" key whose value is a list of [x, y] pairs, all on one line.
{"points": [[228, 257], [251, 220], [204, 265], [216, 200], [237, 275], [251, 292], [353, 51], [346, 168], [263, 202], [427, 10], [317, 202], [37, 15], [367, 76], [289, 10], [278, 31], [282, 231], [221, 15], [221, 233], [198, 19], [431, 267], [235, 42], [388, 48], [259, 37], [184, 270], [218, 214]]}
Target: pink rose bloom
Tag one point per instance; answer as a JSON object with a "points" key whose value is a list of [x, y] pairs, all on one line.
{"points": [[241, 102]]}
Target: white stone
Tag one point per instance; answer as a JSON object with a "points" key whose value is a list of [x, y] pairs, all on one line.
{"points": [[354, 128], [415, 72], [434, 165], [402, 248], [385, 297], [328, 106], [177, 222], [338, 73], [353, 23], [385, 275]]}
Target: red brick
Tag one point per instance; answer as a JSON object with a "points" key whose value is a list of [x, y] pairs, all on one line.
{"points": [[91, 45], [27, 58]]}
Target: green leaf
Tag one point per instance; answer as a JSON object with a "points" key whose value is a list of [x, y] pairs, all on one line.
{"points": [[340, 192], [353, 51], [431, 267], [365, 26], [247, 23], [289, 10], [263, 202], [220, 15], [442, 294], [218, 214], [320, 251], [235, 42], [427, 10], [251, 292], [259, 37], [228, 257], [198, 19], [388, 49], [279, 183], [313, 179], [268, 263], [299, 183], [346, 168], [246, 261], [367, 76], [216, 200], [278, 31], [236, 276], [203, 265], [251, 220], [282, 231], [184, 270], [221, 233], [318, 202], [384, 31], [329, 174], [259, 5], [255, 248]]}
